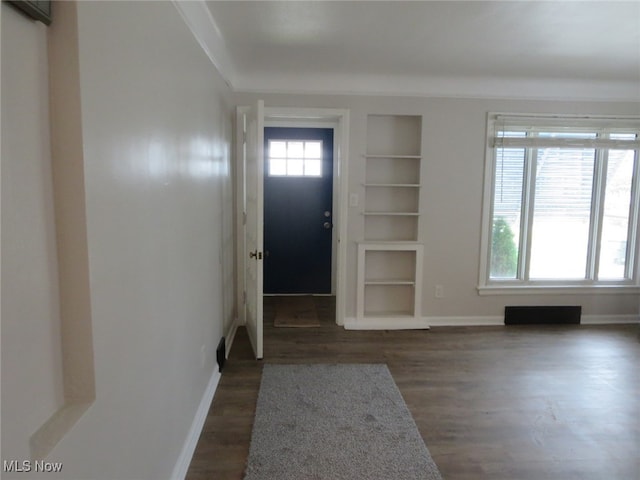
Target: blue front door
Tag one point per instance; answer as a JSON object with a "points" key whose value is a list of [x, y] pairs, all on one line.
{"points": [[298, 215]]}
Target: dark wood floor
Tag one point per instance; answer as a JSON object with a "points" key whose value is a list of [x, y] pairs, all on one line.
{"points": [[512, 403]]}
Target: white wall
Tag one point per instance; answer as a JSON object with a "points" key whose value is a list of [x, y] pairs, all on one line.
{"points": [[454, 131], [156, 132], [32, 387]]}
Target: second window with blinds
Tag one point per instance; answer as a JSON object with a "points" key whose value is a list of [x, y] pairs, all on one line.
{"points": [[563, 203]]}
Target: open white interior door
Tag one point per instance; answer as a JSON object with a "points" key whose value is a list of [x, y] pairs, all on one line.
{"points": [[254, 175]]}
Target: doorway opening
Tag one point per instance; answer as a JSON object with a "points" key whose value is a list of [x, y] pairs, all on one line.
{"points": [[250, 173], [298, 211], [300, 311], [298, 226]]}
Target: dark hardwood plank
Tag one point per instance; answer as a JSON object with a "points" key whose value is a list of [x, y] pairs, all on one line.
{"points": [[515, 403]]}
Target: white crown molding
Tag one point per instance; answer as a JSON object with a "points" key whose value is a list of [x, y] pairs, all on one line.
{"points": [[433, 86], [198, 18]]}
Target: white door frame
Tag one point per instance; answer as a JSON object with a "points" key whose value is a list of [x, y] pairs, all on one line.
{"points": [[338, 119]]}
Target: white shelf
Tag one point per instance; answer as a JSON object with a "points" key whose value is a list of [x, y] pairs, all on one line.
{"points": [[389, 281], [392, 185], [389, 314], [388, 245], [391, 228], [392, 177], [402, 214], [392, 171], [392, 156], [397, 136]]}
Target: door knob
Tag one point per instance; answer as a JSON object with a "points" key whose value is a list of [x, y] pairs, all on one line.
{"points": [[327, 213], [327, 225]]}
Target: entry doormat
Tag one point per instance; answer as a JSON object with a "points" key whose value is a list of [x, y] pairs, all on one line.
{"points": [[296, 311], [334, 422]]}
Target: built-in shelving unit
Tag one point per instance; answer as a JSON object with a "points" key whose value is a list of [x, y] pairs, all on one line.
{"points": [[390, 257], [389, 275], [392, 179]]}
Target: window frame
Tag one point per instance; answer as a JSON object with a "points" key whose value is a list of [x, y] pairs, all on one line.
{"points": [[522, 284]]}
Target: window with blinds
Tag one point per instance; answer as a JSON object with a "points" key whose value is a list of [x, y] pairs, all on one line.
{"points": [[562, 201]]}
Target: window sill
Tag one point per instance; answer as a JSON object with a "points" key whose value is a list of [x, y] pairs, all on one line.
{"points": [[558, 289]]}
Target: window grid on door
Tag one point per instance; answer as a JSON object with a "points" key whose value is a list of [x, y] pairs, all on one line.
{"points": [[295, 158]]}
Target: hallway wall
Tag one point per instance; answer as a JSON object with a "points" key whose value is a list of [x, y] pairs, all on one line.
{"points": [[156, 133], [32, 385]]}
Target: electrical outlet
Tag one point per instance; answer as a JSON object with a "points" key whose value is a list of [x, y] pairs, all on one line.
{"points": [[439, 291], [353, 200]]}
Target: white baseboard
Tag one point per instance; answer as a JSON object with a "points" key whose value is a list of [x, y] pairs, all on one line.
{"points": [[386, 323], [182, 465], [352, 323], [609, 319], [499, 320], [230, 336], [465, 321], [189, 447]]}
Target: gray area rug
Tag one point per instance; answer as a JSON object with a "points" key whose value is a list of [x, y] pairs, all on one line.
{"points": [[333, 422]]}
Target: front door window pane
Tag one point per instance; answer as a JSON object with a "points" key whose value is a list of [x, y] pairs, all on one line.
{"points": [[277, 149], [615, 220], [562, 211], [293, 158], [295, 149], [277, 166], [312, 168], [313, 150], [295, 167]]}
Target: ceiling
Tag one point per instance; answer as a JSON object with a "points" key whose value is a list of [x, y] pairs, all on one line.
{"points": [[557, 49]]}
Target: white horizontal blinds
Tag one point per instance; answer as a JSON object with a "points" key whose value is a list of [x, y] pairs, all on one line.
{"points": [[507, 211], [509, 171], [565, 132], [561, 212], [564, 181], [616, 214]]}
